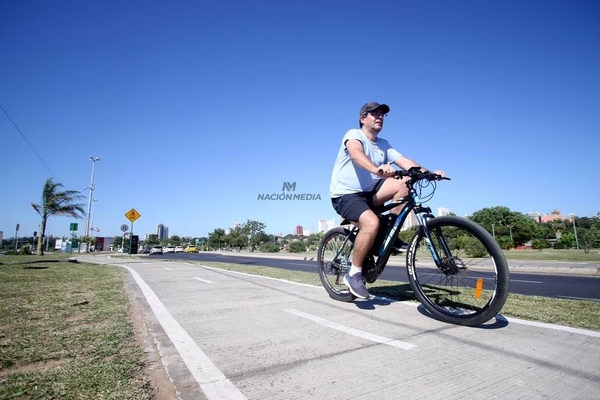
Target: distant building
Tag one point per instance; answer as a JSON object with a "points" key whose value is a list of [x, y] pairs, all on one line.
{"points": [[411, 220], [321, 226], [162, 231], [443, 211], [299, 230], [329, 224], [543, 218]]}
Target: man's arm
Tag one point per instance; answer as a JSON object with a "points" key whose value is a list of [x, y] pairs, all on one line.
{"points": [[358, 156]]}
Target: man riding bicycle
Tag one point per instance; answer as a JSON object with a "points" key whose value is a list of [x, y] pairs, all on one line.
{"points": [[363, 178]]}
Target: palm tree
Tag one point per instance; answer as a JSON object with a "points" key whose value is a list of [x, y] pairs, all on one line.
{"points": [[55, 202]]}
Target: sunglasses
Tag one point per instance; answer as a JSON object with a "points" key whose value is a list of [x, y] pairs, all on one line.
{"points": [[377, 113]]}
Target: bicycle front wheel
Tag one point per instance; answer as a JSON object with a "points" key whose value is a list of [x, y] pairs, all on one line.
{"points": [[469, 283], [334, 259]]}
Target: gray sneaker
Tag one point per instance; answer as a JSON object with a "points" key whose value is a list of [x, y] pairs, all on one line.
{"points": [[356, 285]]}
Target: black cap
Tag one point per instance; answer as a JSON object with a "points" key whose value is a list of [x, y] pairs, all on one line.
{"points": [[372, 106]]}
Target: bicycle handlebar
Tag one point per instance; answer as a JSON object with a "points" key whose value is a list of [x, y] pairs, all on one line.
{"points": [[415, 174]]}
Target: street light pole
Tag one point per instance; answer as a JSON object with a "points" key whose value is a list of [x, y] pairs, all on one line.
{"points": [[91, 228], [493, 232], [511, 236], [89, 210], [575, 231]]}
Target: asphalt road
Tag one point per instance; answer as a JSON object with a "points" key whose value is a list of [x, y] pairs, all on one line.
{"points": [[536, 284]]}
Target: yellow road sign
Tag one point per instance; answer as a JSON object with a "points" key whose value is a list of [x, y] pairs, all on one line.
{"points": [[132, 215]]}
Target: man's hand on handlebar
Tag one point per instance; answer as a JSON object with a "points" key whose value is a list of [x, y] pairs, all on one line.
{"points": [[415, 173], [386, 171], [441, 173]]}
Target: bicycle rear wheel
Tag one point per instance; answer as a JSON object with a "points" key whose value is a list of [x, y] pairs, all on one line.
{"points": [[471, 284], [334, 259]]}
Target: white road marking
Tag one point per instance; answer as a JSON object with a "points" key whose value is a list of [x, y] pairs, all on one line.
{"points": [[550, 326], [351, 331], [257, 276], [211, 380], [579, 298], [519, 280], [169, 269], [203, 280]]}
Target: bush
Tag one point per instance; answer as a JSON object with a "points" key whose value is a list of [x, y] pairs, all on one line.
{"points": [[474, 248], [25, 250], [269, 248], [297, 247], [540, 244], [505, 242], [566, 241]]}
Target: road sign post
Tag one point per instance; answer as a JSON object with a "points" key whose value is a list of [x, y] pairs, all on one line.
{"points": [[132, 215], [17, 236]]}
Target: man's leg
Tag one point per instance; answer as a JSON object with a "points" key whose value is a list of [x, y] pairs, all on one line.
{"points": [[392, 189], [368, 225]]}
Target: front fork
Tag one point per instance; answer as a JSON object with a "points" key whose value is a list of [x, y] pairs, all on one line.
{"points": [[424, 216]]}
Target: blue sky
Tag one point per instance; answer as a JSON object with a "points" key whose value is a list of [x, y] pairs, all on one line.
{"points": [[195, 108]]}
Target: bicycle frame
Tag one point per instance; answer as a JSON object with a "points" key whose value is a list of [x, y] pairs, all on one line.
{"points": [[412, 202]]}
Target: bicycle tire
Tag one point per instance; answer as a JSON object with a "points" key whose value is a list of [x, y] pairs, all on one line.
{"points": [[332, 271], [475, 285]]}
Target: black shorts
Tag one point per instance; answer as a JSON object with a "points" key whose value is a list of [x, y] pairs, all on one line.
{"points": [[351, 206]]}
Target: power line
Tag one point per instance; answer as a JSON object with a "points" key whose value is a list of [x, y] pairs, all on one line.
{"points": [[27, 141]]}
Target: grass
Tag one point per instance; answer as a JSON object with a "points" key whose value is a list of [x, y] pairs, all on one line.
{"points": [[553, 255], [573, 313], [65, 332], [531, 255]]}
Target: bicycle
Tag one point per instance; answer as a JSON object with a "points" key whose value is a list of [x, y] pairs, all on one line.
{"points": [[455, 268]]}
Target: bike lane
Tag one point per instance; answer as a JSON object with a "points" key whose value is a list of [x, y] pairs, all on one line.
{"points": [[227, 335]]}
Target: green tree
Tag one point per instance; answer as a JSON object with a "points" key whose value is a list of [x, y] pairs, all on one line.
{"points": [[504, 220], [216, 238], [152, 240], [59, 203], [588, 238], [175, 240], [256, 231], [557, 226]]}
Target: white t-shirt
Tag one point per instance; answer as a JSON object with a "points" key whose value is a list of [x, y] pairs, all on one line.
{"points": [[348, 178]]}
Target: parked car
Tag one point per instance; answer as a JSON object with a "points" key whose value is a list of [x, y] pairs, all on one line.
{"points": [[178, 249], [169, 249], [191, 249], [123, 250], [156, 250], [144, 250]]}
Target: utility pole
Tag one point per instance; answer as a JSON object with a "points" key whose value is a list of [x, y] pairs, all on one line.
{"points": [[86, 231]]}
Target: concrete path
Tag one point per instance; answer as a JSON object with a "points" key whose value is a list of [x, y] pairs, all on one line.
{"points": [[226, 335]]}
